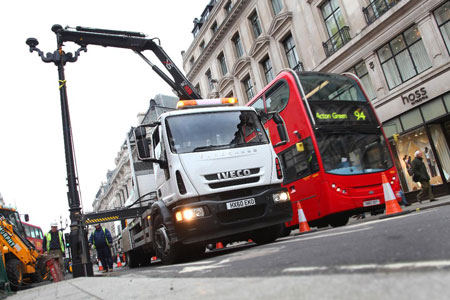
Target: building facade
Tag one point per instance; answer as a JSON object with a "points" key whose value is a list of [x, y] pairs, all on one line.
{"points": [[398, 48], [121, 188]]}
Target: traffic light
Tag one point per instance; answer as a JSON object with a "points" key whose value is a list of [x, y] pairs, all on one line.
{"points": [[67, 239]]}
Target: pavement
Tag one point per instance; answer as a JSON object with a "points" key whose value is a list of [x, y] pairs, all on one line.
{"points": [[398, 285]]}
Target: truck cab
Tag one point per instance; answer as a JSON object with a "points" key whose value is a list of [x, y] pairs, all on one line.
{"points": [[217, 178]]}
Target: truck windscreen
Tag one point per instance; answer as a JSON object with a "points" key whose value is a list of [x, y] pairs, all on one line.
{"points": [[214, 131]]}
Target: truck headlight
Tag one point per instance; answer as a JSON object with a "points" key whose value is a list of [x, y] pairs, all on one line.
{"points": [[189, 214], [281, 197]]}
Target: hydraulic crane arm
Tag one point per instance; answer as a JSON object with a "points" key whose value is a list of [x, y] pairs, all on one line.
{"points": [[135, 41]]}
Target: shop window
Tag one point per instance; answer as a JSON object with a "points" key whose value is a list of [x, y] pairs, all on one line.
{"points": [[392, 127], [447, 101], [441, 146], [406, 146], [433, 109], [411, 119]]}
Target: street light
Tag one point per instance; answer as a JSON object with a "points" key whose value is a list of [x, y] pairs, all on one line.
{"points": [[81, 263]]}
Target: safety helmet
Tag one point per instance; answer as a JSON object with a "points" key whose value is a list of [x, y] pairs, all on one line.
{"points": [[53, 224]]}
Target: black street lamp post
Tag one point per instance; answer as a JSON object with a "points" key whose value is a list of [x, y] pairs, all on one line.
{"points": [[81, 264]]}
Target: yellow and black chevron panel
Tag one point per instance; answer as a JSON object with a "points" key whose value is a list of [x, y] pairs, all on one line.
{"points": [[101, 220]]}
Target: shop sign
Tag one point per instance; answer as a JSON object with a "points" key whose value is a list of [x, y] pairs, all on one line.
{"points": [[415, 97]]}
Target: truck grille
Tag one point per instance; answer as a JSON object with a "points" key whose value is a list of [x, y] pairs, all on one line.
{"points": [[222, 184], [240, 214]]}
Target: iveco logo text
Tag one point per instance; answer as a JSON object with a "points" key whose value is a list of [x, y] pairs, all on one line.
{"points": [[233, 174]]}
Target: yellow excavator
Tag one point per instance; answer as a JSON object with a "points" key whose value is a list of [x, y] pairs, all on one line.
{"points": [[24, 264]]}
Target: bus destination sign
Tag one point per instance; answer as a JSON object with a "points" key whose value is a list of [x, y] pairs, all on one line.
{"points": [[342, 114]]}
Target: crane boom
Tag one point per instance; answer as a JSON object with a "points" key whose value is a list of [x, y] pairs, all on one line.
{"points": [[135, 41]]}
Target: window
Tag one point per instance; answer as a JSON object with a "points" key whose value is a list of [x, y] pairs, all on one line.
{"points": [[360, 70], [222, 63], [228, 7], [238, 45], [442, 15], [202, 45], [209, 79], [267, 68], [197, 87], [214, 27], [248, 86], [277, 97], [191, 61], [196, 30], [404, 57], [276, 6], [258, 105], [256, 25], [335, 25], [298, 164], [291, 54]]}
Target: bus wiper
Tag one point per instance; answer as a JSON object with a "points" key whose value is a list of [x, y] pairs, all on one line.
{"points": [[210, 147]]}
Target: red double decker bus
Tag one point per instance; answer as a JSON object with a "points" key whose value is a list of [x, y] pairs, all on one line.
{"points": [[34, 235], [337, 151]]}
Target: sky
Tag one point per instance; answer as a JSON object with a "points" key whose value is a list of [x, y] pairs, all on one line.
{"points": [[106, 88]]}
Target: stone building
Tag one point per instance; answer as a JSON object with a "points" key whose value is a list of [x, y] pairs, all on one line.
{"points": [[398, 48]]}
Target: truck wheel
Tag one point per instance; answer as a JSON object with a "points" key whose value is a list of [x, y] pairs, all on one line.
{"points": [[168, 253], [338, 221], [195, 250], [285, 231], [14, 272], [267, 235], [132, 260]]}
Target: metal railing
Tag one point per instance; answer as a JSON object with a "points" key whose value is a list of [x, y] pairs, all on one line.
{"points": [[377, 8], [337, 41]]}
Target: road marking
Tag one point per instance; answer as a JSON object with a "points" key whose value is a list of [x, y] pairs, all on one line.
{"points": [[220, 264], [203, 262], [378, 267], [303, 238]]}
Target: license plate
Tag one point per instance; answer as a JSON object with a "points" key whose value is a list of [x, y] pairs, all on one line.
{"points": [[371, 202], [240, 203]]}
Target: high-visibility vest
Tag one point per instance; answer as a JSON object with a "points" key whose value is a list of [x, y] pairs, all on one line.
{"points": [[49, 238], [93, 238]]}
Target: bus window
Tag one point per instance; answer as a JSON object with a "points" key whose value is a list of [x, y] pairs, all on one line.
{"points": [[41, 236], [258, 105], [277, 97], [33, 232], [297, 164], [27, 231]]}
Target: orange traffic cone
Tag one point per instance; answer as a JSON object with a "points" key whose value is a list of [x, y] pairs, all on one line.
{"points": [[154, 258], [303, 224], [219, 245], [100, 267], [119, 263], [392, 206]]}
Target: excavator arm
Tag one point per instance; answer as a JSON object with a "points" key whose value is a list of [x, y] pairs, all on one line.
{"points": [[135, 41]]}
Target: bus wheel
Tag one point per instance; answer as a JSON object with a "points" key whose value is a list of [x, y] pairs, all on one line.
{"points": [[168, 253], [267, 235], [14, 273], [338, 221]]}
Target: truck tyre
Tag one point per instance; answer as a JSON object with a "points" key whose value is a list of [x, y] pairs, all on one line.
{"points": [[285, 231], [168, 253], [195, 250], [338, 221], [132, 260], [14, 273], [267, 235]]}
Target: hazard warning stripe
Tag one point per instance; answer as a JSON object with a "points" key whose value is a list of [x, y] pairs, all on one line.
{"points": [[98, 220]]}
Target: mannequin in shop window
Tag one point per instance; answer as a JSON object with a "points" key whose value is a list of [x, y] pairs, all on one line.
{"points": [[430, 161], [407, 160]]}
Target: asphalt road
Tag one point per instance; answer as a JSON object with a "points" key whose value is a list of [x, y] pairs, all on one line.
{"points": [[419, 241]]}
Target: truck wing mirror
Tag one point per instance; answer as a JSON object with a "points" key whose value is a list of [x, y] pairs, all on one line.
{"points": [[143, 148], [281, 128]]}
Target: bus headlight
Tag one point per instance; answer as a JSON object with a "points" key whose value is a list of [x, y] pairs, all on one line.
{"points": [[281, 197], [189, 214]]}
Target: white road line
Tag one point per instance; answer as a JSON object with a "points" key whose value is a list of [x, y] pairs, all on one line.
{"points": [[303, 238], [203, 262], [377, 267]]}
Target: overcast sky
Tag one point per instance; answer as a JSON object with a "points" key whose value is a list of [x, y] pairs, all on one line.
{"points": [[106, 88]]}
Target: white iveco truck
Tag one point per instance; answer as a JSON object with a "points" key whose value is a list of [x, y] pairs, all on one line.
{"points": [[217, 178]]}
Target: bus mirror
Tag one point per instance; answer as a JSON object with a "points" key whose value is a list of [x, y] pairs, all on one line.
{"points": [[281, 128], [300, 147], [27, 218]]}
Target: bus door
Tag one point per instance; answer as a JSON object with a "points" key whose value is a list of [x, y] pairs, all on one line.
{"points": [[302, 178]]}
